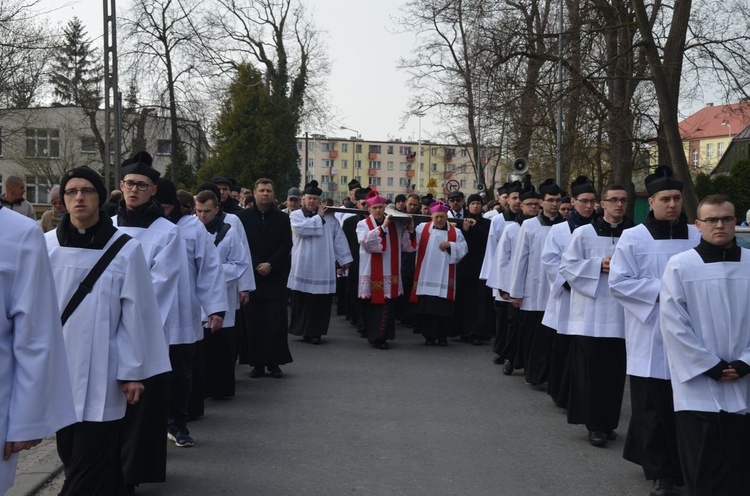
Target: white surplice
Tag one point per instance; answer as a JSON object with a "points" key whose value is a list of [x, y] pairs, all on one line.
{"points": [[527, 278], [36, 398], [499, 276], [635, 273], [197, 286], [433, 275], [247, 280], [497, 225], [370, 242], [115, 333], [234, 263], [705, 318], [557, 311], [318, 244], [594, 312]]}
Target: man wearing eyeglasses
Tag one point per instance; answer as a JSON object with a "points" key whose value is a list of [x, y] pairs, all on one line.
{"points": [[113, 339], [456, 203], [144, 453], [558, 304], [705, 323], [528, 287], [596, 322], [635, 273]]}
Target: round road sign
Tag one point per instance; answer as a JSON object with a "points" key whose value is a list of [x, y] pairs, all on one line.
{"points": [[452, 186]]}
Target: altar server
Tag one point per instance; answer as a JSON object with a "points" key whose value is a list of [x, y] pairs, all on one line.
{"points": [[705, 322], [528, 287], [144, 455], [113, 338], [36, 398], [440, 246], [596, 321], [635, 276], [382, 239], [318, 245]]}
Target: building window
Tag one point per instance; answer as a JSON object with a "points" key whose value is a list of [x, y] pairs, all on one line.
{"points": [[404, 150], [327, 147], [344, 164], [463, 183], [343, 180], [358, 164], [719, 149], [450, 167], [359, 179], [311, 146], [375, 149], [464, 152], [326, 162], [43, 143], [163, 147], [695, 157], [374, 181], [389, 150], [299, 146], [390, 165], [310, 163], [710, 150], [434, 168], [88, 145], [375, 164], [326, 179], [358, 148], [344, 147], [404, 166], [434, 151], [404, 181], [36, 192], [421, 167], [389, 181]]}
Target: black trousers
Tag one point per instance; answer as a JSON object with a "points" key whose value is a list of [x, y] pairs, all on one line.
{"points": [[218, 365], [559, 374], [539, 340], [143, 433], [90, 453], [310, 315], [197, 396], [182, 358], [714, 452], [597, 382], [380, 319], [501, 326], [652, 438], [513, 349], [266, 333]]}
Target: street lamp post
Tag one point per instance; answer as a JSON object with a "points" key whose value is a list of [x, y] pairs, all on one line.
{"points": [[357, 136], [725, 123], [419, 154]]}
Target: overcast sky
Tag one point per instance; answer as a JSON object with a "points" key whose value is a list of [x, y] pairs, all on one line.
{"points": [[364, 84]]}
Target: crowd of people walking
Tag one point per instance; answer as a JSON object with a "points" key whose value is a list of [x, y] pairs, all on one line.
{"points": [[129, 311]]}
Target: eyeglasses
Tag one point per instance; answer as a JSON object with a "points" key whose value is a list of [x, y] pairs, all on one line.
{"points": [[72, 193], [614, 201], [585, 202], [712, 221], [140, 185], [535, 205], [454, 199], [553, 200]]}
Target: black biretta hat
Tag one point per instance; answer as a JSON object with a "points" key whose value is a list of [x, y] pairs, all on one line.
{"points": [[140, 163], [662, 180]]}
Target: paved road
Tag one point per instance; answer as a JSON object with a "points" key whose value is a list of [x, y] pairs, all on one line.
{"points": [[347, 419]]}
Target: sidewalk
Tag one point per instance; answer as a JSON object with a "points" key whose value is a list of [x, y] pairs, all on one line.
{"points": [[35, 467]]}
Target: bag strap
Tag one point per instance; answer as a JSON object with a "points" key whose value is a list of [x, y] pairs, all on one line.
{"points": [[87, 285], [221, 233]]}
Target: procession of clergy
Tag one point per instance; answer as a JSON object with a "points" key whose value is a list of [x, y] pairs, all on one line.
{"points": [[577, 302]]}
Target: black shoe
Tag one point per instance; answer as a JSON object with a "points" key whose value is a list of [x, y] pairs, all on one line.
{"points": [[498, 360], [275, 372], [610, 435], [316, 341], [507, 367], [257, 372], [663, 487], [429, 341], [442, 342], [596, 438]]}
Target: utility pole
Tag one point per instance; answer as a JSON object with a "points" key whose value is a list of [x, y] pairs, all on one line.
{"points": [[112, 107]]}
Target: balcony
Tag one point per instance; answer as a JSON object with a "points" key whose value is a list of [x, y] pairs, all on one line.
{"points": [[448, 159], [372, 172], [373, 156], [410, 157], [333, 154], [410, 173], [447, 174]]}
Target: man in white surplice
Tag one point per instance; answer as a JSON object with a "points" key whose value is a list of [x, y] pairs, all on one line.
{"points": [[705, 322], [319, 244], [35, 395], [440, 246]]}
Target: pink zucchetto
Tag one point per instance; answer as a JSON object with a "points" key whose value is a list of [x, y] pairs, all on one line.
{"points": [[439, 207], [373, 198]]}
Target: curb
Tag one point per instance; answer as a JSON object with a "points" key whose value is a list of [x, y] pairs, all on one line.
{"points": [[35, 468]]}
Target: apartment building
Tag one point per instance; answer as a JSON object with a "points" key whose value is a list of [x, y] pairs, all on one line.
{"points": [[707, 133], [391, 167]]}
